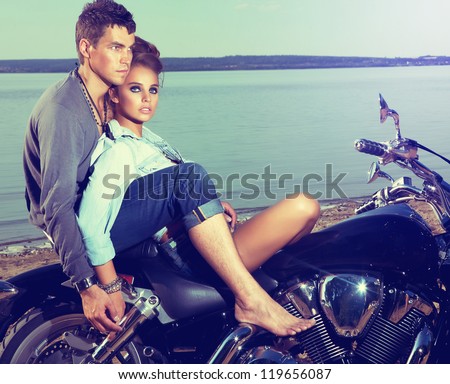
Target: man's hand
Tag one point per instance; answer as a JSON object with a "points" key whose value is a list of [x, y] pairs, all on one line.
{"points": [[230, 214], [102, 310]]}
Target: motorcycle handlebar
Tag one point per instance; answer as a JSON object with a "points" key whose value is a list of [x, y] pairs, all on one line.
{"points": [[371, 147]]}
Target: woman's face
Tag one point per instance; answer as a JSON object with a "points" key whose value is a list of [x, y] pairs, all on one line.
{"points": [[137, 98]]}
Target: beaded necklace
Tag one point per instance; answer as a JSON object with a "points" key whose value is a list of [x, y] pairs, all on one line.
{"points": [[104, 125]]}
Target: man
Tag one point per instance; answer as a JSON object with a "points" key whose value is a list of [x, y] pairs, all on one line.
{"points": [[63, 131]]}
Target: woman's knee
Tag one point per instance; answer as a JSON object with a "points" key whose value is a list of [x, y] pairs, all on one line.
{"points": [[305, 207]]}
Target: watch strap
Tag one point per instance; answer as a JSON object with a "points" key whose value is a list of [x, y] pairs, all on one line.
{"points": [[86, 283]]}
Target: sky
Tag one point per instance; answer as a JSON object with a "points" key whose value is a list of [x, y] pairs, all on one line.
{"points": [[44, 29]]}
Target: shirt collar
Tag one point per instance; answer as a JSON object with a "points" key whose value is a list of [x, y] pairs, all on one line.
{"points": [[117, 130]]}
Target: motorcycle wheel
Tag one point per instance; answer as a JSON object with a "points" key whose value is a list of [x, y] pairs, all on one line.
{"points": [[37, 338]]}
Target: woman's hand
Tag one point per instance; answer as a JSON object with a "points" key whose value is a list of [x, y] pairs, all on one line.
{"points": [[230, 214]]}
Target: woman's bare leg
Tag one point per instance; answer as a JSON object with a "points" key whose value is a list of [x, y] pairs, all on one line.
{"points": [[281, 224], [212, 238]]}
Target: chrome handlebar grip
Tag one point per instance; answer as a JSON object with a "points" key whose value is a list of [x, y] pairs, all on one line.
{"points": [[371, 147]]}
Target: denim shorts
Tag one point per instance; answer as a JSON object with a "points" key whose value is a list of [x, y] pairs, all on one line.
{"points": [[184, 191]]}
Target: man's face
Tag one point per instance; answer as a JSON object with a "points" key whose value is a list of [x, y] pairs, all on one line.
{"points": [[111, 58]]}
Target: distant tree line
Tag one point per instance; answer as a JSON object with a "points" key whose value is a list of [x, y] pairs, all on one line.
{"points": [[235, 63]]}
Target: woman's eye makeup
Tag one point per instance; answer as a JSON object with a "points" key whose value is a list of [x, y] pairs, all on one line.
{"points": [[137, 88]]}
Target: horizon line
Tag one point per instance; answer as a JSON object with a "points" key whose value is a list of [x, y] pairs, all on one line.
{"points": [[254, 55]]}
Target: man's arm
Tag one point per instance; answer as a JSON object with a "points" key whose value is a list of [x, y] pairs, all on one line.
{"points": [[62, 150]]}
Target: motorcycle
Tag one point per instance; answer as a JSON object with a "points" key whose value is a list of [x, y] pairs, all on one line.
{"points": [[376, 285]]}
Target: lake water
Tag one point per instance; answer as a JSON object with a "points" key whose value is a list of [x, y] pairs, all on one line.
{"points": [[261, 134]]}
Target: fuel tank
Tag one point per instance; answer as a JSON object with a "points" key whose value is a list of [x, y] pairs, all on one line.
{"points": [[393, 239]]}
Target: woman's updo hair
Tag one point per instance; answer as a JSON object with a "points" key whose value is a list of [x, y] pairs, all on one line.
{"points": [[147, 55]]}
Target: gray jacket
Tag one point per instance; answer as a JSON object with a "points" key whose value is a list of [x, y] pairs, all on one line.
{"points": [[60, 138]]}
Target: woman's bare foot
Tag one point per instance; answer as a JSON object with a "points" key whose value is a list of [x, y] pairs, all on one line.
{"points": [[268, 314]]}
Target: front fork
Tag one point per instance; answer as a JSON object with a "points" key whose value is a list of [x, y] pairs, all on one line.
{"points": [[141, 311]]}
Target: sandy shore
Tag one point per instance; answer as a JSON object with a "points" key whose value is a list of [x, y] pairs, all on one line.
{"points": [[21, 257]]}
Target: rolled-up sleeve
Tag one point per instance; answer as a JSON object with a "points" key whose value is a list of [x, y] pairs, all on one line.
{"points": [[101, 201]]}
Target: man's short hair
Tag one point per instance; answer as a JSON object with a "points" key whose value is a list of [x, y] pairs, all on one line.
{"points": [[96, 17]]}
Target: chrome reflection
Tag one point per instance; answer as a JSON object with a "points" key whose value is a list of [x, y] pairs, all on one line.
{"points": [[301, 300], [422, 346], [401, 303], [349, 301], [7, 290]]}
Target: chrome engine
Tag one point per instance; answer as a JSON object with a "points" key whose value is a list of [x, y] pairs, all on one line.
{"points": [[358, 320]]}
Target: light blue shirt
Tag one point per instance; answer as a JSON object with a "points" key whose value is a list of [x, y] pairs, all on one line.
{"points": [[116, 164]]}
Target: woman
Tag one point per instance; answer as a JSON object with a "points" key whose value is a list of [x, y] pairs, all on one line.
{"points": [[138, 166]]}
